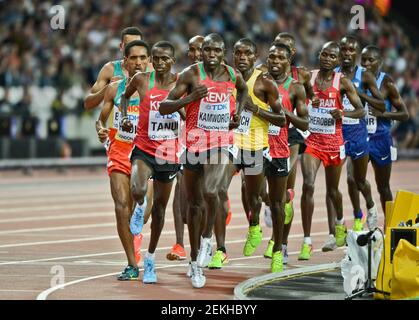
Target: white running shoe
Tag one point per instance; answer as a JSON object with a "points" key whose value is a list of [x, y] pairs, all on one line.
{"points": [[204, 254], [189, 272], [268, 217], [330, 244], [284, 254], [197, 277], [372, 217]]}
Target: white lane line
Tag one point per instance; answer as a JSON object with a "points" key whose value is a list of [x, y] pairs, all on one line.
{"points": [[44, 294], [95, 205], [61, 217], [72, 227]]}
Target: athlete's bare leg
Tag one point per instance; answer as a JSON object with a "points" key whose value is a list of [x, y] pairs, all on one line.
{"points": [[333, 195], [277, 188], [177, 212], [120, 189], [161, 197], [382, 179], [309, 166]]}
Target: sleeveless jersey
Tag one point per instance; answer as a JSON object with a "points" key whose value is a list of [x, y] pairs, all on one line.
{"points": [[326, 132], [379, 126], [157, 134], [116, 134], [208, 119], [354, 129], [252, 134], [278, 137], [117, 69]]}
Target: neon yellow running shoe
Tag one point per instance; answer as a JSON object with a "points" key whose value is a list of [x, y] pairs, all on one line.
{"points": [[340, 235], [306, 251], [276, 264], [254, 238], [289, 212], [218, 260], [268, 251], [358, 225]]}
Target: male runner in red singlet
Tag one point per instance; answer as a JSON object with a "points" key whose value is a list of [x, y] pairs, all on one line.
{"points": [[155, 153], [211, 113], [325, 143], [119, 147], [293, 101]]}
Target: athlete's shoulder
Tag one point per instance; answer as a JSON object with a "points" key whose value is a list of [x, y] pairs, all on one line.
{"points": [[262, 67]]}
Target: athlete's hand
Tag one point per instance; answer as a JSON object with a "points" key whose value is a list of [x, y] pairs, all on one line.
{"points": [[234, 121], [198, 93], [103, 134], [126, 125], [374, 112], [315, 101], [336, 114], [250, 106]]}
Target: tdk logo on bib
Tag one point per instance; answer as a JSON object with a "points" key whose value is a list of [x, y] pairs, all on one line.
{"points": [[216, 107]]}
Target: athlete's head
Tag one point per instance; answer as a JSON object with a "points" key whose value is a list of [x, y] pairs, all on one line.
{"points": [[279, 59], [371, 58], [194, 48], [244, 54], [213, 50], [129, 34], [163, 56], [329, 55], [136, 56], [289, 40], [349, 50]]}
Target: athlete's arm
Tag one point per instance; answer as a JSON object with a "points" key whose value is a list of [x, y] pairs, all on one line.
{"points": [[392, 93], [305, 76], [376, 100], [97, 93], [277, 115], [177, 98], [101, 129], [298, 99], [348, 87], [242, 94]]}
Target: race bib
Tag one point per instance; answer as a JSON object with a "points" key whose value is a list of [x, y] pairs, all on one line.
{"points": [[274, 130], [347, 106], [267, 154], [321, 121], [371, 122], [122, 135], [234, 150], [163, 127], [342, 153], [245, 120], [393, 153], [214, 116]]}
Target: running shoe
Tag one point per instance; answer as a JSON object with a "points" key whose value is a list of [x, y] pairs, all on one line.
{"points": [[129, 273], [372, 218], [268, 217], [277, 264], [138, 239], [218, 260], [197, 275], [254, 238], [330, 244], [268, 252], [340, 234], [150, 275], [137, 218], [204, 255], [358, 225], [306, 251], [177, 253], [284, 254]]}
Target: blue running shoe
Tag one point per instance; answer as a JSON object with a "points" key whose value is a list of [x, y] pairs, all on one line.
{"points": [[129, 273], [137, 218], [149, 271]]}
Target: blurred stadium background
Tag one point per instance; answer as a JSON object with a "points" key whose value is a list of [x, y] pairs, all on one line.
{"points": [[45, 73]]}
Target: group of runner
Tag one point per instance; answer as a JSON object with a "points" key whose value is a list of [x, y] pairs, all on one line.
{"points": [[210, 121]]}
